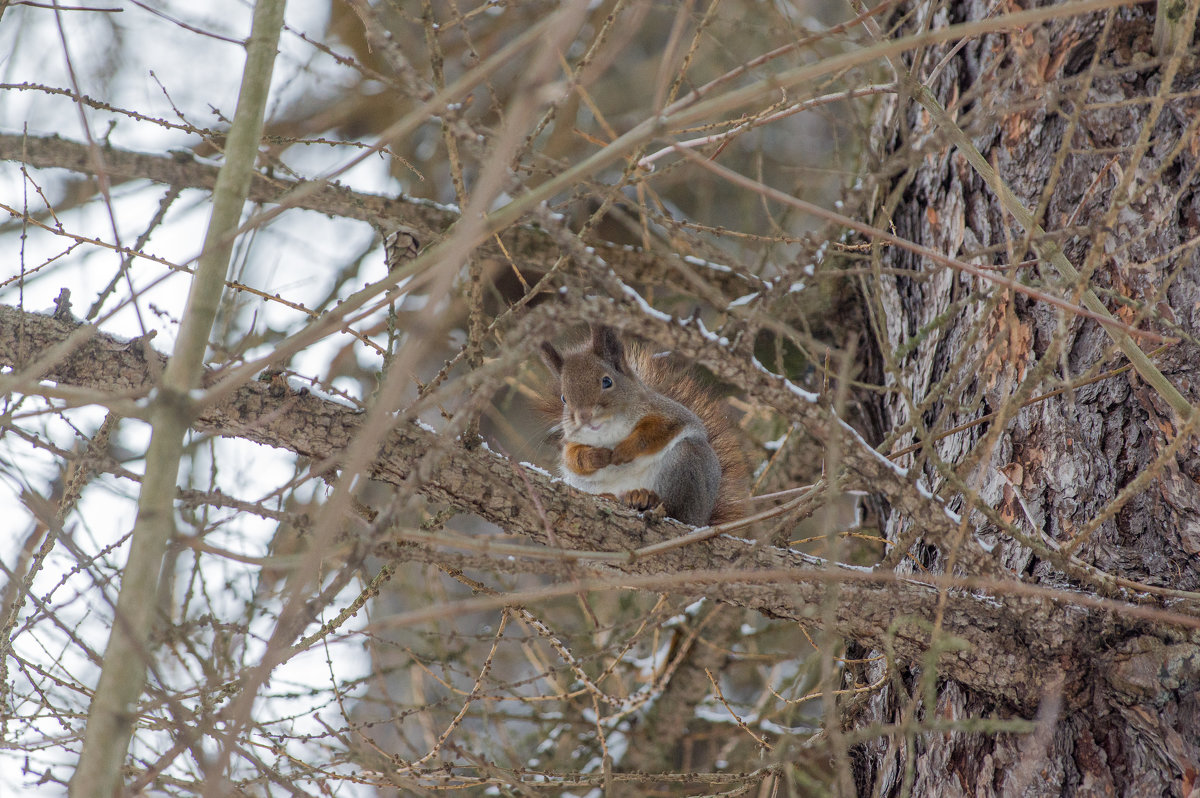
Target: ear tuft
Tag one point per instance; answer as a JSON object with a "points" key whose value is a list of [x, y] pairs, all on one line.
{"points": [[606, 345], [552, 359]]}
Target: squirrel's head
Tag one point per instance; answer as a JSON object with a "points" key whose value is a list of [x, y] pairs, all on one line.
{"points": [[601, 395]]}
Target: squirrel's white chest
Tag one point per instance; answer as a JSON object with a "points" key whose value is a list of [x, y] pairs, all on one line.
{"points": [[642, 472]]}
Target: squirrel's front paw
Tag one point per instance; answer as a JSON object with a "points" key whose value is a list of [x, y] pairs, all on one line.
{"points": [[620, 456], [641, 499], [593, 458], [581, 459]]}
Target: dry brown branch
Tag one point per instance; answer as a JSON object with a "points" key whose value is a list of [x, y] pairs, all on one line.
{"points": [[886, 613], [528, 246], [914, 244]]}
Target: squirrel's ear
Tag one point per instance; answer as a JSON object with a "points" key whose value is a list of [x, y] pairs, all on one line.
{"points": [[606, 345], [552, 359]]}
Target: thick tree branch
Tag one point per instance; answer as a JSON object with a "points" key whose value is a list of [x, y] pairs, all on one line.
{"points": [[529, 246], [1011, 641]]}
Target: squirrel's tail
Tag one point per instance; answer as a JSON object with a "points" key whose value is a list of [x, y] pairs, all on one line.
{"points": [[662, 376]]}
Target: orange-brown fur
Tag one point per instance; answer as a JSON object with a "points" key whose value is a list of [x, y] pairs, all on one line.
{"points": [[653, 432], [584, 459], [650, 435]]}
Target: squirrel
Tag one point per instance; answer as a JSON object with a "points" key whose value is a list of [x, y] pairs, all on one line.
{"points": [[638, 430]]}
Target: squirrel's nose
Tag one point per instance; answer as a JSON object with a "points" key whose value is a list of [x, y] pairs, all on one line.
{"points": [[583, 416]]}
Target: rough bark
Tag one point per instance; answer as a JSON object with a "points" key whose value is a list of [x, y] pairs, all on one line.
{"points": [[1052, 468], [1011, 640], [1016, 631], [529, 246]]}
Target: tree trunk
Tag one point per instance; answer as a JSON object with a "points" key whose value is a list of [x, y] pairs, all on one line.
{"points": [[1058, 110]]}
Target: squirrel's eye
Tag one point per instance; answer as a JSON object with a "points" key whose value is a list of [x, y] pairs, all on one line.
{"points": [[606, 382], [563, 397]]}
